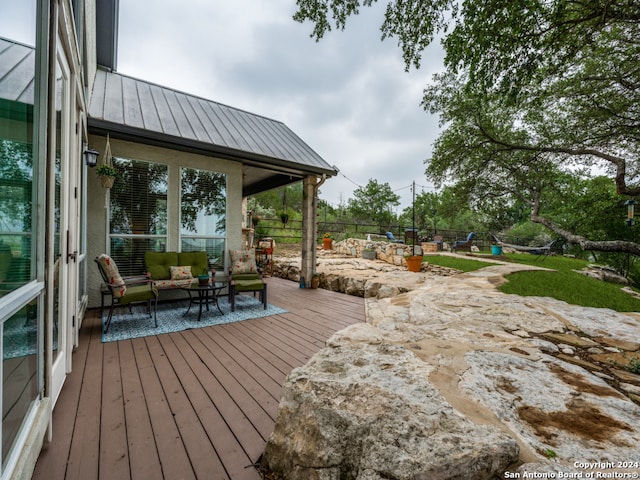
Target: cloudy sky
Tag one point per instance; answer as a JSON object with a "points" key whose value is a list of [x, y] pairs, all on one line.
{"points": [[347, 96]]}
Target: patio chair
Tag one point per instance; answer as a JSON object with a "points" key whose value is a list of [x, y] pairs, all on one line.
{"points": [[464, 244], [391, 238], [245, 277], [126, 290]]}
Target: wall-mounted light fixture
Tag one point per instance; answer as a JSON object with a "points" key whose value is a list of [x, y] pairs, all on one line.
{"points": [[90, 157], [630, 212]]}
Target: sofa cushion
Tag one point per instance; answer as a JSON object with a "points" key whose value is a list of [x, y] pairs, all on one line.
{"points": [[139, 293], [169, 284], [248, 285], [158, 263], [109, 267], [180, 272], [243, 261], [199, 262]]}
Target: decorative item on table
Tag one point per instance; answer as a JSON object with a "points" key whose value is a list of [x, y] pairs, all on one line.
{"points": [[203, 279]]}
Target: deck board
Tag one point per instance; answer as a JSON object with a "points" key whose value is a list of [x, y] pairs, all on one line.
{"points": [[194, 404], [143, 456]]}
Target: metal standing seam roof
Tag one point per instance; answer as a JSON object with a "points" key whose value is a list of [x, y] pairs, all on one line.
{"points": [[127, 105], [143, 110], [17, 72]]}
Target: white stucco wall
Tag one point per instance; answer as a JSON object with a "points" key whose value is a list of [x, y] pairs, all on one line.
{"points": [[97, 222]]}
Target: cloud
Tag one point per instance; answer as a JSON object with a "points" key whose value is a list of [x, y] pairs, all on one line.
{"points": [[347, 96]]}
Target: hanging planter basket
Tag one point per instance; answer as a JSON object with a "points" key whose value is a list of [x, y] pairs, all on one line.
{"points": [[106, 181], [105, 171]]}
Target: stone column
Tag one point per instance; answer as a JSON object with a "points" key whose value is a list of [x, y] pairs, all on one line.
{"points": [[309, 210]]}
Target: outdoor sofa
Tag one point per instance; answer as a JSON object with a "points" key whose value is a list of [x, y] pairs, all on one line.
{"points": [[172, 270]]}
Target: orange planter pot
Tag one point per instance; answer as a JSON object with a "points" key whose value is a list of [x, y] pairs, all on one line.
{"points": [[414, 263], [326, 243]]}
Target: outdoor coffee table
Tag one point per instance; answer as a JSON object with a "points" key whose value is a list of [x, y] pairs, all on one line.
{"points": [[205, 295]]}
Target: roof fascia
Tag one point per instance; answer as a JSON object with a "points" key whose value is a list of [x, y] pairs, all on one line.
{"points": [[158, 139]]}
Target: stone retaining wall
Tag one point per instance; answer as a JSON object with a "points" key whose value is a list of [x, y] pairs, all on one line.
{"points": [[392, 253], [343, 270]]}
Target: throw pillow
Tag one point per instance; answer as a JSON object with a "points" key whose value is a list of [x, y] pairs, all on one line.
{"points": [[181, 272], [115, 279], [243, 261]]}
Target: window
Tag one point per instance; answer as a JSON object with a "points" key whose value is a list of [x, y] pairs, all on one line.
{"points": [[138, 213], [22, 160], [19, 331], [16, 185], [203, 208]]}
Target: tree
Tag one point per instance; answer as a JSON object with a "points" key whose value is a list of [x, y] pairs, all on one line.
{"points": [[374, 203], [533, 91], [287, 198], [16, 184]]}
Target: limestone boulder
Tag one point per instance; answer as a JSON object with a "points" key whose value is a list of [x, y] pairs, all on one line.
{"points": [[450, 378], [364, 409]]}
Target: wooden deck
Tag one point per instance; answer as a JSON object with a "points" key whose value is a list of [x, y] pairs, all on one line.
{"points": [[194, 404]]}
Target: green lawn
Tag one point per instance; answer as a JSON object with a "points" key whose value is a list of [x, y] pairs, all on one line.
{"points": [[466, 265], [562, 283], [565, 284]]}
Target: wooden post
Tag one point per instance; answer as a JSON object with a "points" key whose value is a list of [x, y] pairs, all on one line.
{"points": [[310, 186]]}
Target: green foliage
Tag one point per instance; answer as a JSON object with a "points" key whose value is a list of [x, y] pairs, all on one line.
{"points": [[534, 232], [374, 203], [105, 170], [272, 202]]}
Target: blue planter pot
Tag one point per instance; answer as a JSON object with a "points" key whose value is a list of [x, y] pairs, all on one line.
{"points": [[496, 250]]}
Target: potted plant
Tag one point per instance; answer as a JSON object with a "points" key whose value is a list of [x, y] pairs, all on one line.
{"points": [[107, 175], [368, 253], [496, 248], [327, 240], [315, 280], [414, 262]]}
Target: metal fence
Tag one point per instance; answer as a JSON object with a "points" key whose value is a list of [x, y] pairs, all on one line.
{"points": [[292, 232]]}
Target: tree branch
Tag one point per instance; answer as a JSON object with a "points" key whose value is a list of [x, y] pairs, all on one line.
{"points": [[620, 163], [620, 246]]}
